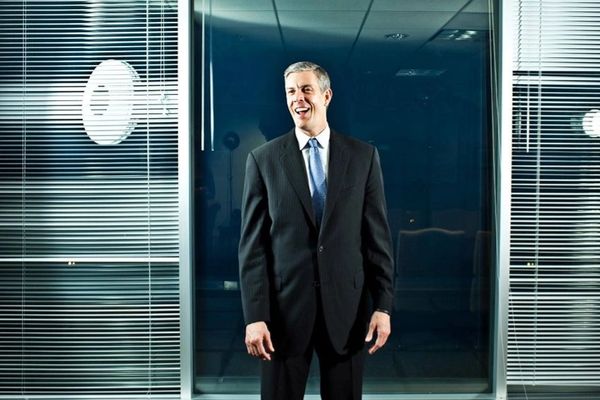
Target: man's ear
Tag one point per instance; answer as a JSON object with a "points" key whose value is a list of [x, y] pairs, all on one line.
{"points": [[328, 96]]}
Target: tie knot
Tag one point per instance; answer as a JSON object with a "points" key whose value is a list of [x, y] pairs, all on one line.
{"points": [[314, 143]]}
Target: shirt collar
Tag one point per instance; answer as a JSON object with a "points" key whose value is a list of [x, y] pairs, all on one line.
{"points": [[322, 138]]}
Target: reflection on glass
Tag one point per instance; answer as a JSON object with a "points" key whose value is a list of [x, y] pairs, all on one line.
{"points": [[414, 80]]}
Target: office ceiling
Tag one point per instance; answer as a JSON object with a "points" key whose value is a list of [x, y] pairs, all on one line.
{"points": [[351, 31]]}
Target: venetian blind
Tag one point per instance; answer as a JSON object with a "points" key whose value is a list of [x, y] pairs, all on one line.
{"points": [[89, 300], [554, 302]]}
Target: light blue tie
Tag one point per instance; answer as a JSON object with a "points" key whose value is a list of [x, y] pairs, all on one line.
{"points": [[316, 174]]}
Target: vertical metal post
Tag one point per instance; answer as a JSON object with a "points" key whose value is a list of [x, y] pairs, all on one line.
{"points": [[503, 208], [185, 15]]}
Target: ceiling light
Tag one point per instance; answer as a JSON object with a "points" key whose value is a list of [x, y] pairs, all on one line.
{"points": [[396, 36], [458, 34], [414, 72]]}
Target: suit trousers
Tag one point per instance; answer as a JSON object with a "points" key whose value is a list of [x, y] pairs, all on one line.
{"points": [[341, 376]]}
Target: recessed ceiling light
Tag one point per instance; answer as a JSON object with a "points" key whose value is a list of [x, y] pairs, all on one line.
{"points": [[458, 34], [413, 72], [396, 36]]}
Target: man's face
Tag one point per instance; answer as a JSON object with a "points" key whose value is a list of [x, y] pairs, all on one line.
{"points": [[306, 102]]}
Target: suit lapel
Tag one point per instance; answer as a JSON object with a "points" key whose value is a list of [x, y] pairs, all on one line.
{"points": [[338, 163], [293, 164]]}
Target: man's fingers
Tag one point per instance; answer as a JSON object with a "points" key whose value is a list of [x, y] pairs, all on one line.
{"points": [[380, 325], [258, 350], [380, 342], [258, 341], [382, 338], [370, 333], [265, 347], [269, 343], [374, 348], [262, 353]]}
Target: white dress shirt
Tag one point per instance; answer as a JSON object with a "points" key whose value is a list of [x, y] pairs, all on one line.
{"points": [[323, 139]]}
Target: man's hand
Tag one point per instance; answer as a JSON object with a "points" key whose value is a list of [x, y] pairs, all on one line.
{"points": [[258, 340], [380, 324]]}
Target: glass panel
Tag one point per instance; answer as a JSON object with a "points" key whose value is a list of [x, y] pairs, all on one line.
{"points": [[412, 78]]}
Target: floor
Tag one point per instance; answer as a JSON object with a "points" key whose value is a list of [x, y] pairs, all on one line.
{"points": [[431, 354]]}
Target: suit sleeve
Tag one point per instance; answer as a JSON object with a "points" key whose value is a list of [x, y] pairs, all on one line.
{"points": [[377, 242], [254, 247]]}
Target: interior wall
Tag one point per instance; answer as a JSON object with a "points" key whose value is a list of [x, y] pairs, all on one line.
{"points": [[89, 238], [554, 303]]}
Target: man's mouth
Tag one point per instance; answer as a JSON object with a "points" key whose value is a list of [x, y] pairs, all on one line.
{"points": [[301, 111]]}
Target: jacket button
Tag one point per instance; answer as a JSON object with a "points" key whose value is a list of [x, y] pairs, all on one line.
{"points": [[321, 248]]}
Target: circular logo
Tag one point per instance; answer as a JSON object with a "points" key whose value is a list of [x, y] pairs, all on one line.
{"points": [[108, 102], [591, 123]]}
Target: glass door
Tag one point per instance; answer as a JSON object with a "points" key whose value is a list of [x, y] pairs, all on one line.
{"points": [[410, 77]]}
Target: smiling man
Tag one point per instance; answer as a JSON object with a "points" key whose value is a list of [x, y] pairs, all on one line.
{"points": [[315, 245], [308, 96]]}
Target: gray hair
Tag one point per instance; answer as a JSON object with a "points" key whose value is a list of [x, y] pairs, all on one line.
{"points": [[322, 75]]}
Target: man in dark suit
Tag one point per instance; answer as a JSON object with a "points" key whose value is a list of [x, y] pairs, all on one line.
{"points": [[315, 243]]}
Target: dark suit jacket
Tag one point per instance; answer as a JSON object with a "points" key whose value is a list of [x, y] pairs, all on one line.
{"points": [[282, 252]]}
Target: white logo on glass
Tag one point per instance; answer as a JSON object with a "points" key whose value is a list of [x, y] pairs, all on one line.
{"points": [[108, 102], [591, 123]]}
